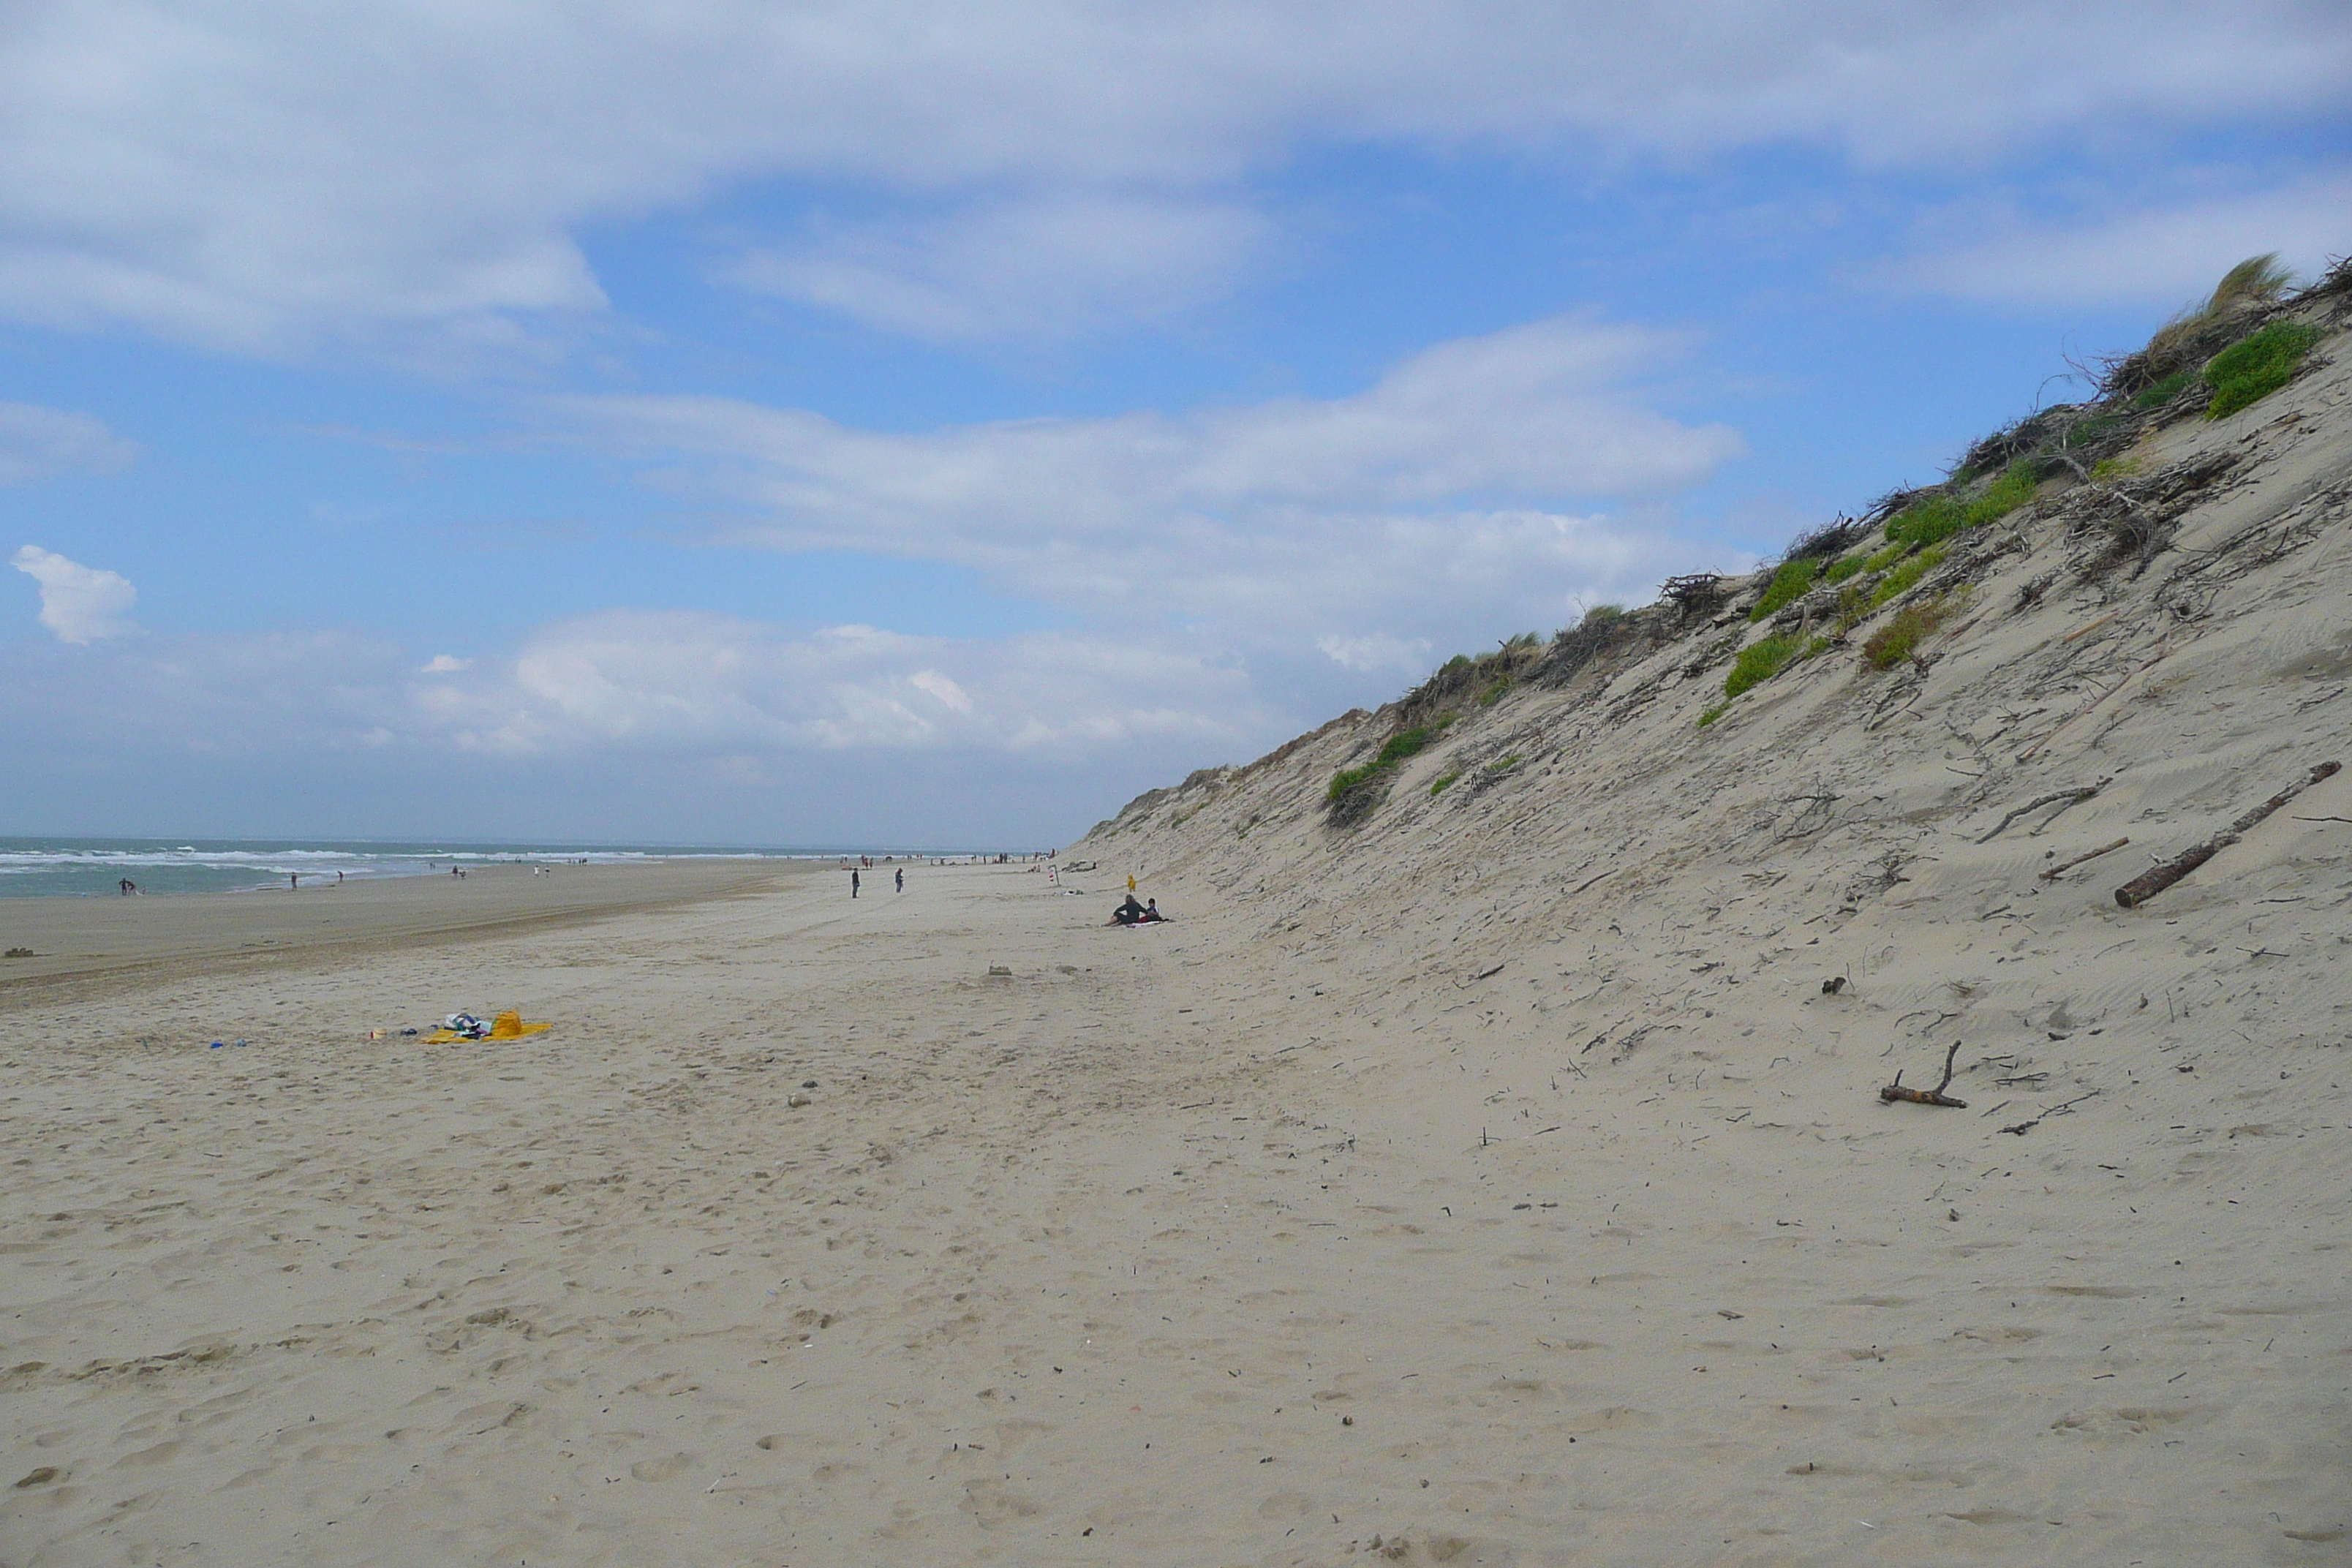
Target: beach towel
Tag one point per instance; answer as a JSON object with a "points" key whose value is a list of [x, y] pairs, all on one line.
{"points": [[466, 1026]]}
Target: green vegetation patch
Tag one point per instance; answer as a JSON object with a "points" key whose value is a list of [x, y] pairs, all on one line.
{"points": [[1906, 576], [1845, 567], [2163, 392], [1712, 714], [1403, 744], [1789, 583], [1899, 638], [1437, 785], [1494, 692], [2255, 366], [1759, 662], [1933, 519]]}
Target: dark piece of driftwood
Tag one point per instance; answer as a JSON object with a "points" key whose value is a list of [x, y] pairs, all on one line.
{"points": [[2068, 795], [1694, 591], [2089, 855], [1936, 1095], [2155, 878]]}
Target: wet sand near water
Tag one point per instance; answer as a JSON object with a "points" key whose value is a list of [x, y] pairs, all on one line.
{"points": [[74, 938]]}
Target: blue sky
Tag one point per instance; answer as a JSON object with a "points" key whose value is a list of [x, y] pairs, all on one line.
{"points": [[935, 424]]}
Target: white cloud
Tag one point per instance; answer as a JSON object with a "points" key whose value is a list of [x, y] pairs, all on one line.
{"points": [[259, 176], [1380, 651], [1421, 507], [81, 604], [670, 681], [444, 663], [36, 443], [2170, 251]]}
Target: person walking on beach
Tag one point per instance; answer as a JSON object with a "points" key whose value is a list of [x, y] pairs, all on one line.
{"points": [[853, 882], [125, 886], [901, 875], [1130, 888]]}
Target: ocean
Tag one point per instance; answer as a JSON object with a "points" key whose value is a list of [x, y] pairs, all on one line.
{"points": [[93, 867]]}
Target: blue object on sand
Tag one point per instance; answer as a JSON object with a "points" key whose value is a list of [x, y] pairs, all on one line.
{"points": [[216, 1046]]}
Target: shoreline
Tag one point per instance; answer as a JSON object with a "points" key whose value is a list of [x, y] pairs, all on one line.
{"points": [[77, 938]]}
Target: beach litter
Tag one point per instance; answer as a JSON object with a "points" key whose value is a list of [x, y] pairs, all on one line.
{"points": [[508, 1025]]}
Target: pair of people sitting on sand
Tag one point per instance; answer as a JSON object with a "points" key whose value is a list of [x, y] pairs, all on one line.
{"points": [[1131, 914]]}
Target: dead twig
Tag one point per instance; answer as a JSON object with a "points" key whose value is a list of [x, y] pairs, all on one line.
{"points": [[2047, 736], [2088, 854], [2022, 1128], [2071, 796], [1936, 1095], [2155, 880]]}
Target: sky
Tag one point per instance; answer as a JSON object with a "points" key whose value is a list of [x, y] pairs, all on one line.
{"points": [[926, 425]]}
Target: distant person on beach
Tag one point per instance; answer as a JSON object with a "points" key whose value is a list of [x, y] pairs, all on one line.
{"points": [[1151, 912], [1127, 913], [852, 883], [125, 886], [902, 879], [1130, 890], [293, 881]]}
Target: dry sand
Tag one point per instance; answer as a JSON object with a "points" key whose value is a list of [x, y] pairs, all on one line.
{"points": [[1158, 1251]]}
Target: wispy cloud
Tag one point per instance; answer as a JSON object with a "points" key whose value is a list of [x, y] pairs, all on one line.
{"points": [[1064, 263], [2167, 250], [36, 443]]}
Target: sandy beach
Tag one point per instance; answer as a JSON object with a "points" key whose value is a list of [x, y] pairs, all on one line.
{"points": [[802, 1238]]}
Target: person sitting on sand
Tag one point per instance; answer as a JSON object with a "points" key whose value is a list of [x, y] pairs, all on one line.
{"points": [[1150, 913], [1127, 913]]}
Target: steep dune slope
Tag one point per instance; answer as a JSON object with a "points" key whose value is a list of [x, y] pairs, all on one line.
{"points": [[1599, 910]]}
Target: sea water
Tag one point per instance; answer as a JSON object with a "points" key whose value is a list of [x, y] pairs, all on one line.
{"points": [[43, 867]]}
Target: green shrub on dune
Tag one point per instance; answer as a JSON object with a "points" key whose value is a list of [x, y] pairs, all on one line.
{"points": [[2255, 366], [1789, 583], [1759, 662]]}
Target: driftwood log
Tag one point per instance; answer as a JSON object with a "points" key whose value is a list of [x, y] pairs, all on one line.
{"points": [[2155, 878], [1936, 1095]]}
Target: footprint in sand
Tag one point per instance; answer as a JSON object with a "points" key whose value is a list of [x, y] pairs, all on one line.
{"points": [[665, 1469]]}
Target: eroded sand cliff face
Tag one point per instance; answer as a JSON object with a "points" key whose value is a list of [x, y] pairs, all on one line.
{"points": [[1579, 918]]}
